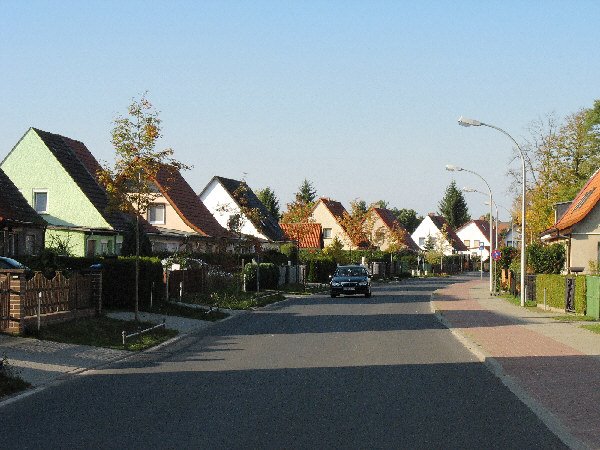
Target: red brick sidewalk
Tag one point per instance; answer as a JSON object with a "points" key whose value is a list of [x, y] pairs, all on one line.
{"points": [[563, 380]]}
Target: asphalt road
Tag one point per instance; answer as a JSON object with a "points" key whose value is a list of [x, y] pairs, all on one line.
{"points": [[313, 372]]}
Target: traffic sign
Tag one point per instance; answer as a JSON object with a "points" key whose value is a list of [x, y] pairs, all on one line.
{"points": [[496, 255], [481, 247]]}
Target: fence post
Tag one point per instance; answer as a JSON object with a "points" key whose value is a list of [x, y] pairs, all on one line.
{"points": [[180, 290], [39, 311], [97, 289], [17, 300], [167, 286], [544, 299], [151, 292]]}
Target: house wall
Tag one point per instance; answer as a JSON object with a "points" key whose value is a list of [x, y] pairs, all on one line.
{"points": [[31, 165], [77, 241], [13, 240], [427, 228], [172, 219], [380, 228], [222, 206], [323, 216], [471, 232], [585, 239]]}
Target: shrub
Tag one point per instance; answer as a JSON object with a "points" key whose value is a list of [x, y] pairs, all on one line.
{"points": [[269, 276], [118, 281], [546, 258], [508, 255], [555, 286]]}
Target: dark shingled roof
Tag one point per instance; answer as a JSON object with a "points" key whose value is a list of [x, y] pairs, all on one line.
{"points": [[75, 159], [268, 224], [455, 241], [187, 204], [13, 206]]}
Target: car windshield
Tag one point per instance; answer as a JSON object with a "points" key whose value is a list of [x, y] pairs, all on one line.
{"points": [[350, 272]]}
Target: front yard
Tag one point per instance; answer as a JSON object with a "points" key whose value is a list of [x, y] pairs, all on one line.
{"points": [[10, 381]]}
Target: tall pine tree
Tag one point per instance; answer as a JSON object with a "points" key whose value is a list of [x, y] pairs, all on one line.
{"points": [[454, 207]]}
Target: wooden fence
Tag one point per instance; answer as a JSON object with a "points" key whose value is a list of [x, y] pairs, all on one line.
{"points": [[24, 301]]}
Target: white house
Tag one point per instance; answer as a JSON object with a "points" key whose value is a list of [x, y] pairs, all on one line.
{"points": [[225, 198], [432, 226], [474, 235]]}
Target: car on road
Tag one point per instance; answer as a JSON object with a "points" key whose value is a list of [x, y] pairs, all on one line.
{"points": [[350, 280], [9, 263]]}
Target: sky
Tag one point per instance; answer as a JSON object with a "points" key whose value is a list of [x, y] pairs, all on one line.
{"points": [[359, 97]]}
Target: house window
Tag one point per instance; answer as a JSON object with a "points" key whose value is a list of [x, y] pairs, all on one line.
{"points": [[421, 241], [40, 201], [467, 243], [104, 247], [476, 243], [326, 233], [30, 244], [156, 214]]}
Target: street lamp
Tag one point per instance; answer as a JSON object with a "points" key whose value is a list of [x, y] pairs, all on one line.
{"points": [[475, 123], [453, 168]]}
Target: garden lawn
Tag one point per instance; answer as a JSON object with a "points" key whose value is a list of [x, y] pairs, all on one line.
{"points": [[104, 332], [594, 328], [10, 384], [234, 300], [172, 309]]}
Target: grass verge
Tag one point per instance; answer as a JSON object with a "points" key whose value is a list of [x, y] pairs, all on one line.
{"points": [[517, 301], [574, 318], [594, 328], [235, 300], [172, 309], [104, 332], [10, 382]]}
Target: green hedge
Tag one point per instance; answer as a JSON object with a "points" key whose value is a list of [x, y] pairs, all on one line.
{"points": [[118, 281], [319, 270], [555, 291], [269, 276]]}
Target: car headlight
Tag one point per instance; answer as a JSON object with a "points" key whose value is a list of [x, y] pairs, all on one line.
{"points": [[363, 283], [335, 283]]}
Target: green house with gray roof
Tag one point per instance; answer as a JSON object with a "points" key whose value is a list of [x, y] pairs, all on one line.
{"points": [[57, 176]]}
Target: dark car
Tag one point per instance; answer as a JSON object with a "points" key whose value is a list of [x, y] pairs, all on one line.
{"points": [[9, 263], [350, 280]]}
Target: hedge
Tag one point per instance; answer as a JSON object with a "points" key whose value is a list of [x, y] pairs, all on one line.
{"points": [[319, 270], [269, 276], [555, 291], [118, 281]]}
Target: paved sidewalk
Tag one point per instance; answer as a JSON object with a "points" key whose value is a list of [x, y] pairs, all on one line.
{"points": [[554, 367]]}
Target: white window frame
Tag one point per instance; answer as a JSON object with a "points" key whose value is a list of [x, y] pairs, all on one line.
{"points": [[164, 209], [327, 235], [41, 191]]}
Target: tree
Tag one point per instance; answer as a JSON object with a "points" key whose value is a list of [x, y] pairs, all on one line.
{"points": [[453, 207], [563, 156], [357, 224], [130, 183], [270, 200], [307, 192], [408, 218]]}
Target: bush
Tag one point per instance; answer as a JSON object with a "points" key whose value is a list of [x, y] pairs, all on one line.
{"points": [[508, 255], [320, 269], [546, 258], [269, 276], [118, 281]]}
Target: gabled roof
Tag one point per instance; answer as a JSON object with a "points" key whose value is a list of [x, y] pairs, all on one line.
{"points": [[267, 225], [309, 233], [581, 206], [13, 206], [76, 159], [187, 204], [391, 222], [439, 222], [336, 209]]}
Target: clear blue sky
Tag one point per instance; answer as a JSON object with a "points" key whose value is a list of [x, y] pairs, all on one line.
{"points": [[360, 97]]}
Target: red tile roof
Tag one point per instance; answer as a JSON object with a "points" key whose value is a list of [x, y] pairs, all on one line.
{"points": [[439, 222], [334, 207], [187, 204], [308, 233], [392, 223], [581, 206]]}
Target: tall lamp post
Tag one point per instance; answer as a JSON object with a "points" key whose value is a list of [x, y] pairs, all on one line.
{"points": [[475, 123], [453, 168]]}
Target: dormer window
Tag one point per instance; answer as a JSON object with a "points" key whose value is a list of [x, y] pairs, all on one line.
{"points": [[156, 214], [40, 201]]}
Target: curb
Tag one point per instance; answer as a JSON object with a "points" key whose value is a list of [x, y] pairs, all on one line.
{"points": [[541, 412]]}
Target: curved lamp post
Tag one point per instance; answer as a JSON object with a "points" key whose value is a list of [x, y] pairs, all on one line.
{"points": [[453, 168], [475, 123]]}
